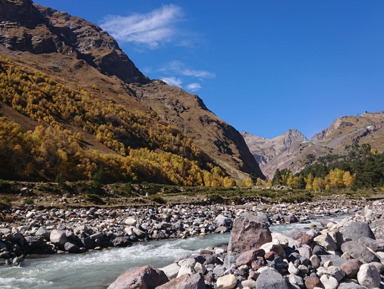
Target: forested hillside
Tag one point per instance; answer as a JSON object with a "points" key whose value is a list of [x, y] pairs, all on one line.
{"points": [[361, 167], [142, 146]]}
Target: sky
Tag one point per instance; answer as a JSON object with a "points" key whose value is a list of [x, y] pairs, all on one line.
{"points": [[262, 66]]}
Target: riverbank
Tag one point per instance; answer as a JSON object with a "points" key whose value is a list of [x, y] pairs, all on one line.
{"points": [[348, 254], [32, 230]]}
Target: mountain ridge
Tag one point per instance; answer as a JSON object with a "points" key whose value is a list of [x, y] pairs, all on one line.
{"points": [[297, 153]]}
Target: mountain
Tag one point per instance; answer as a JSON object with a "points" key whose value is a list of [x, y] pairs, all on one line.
{"points": [[292, 150], [57, 63]]}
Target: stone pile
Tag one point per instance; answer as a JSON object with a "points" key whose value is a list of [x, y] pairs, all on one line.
{"points": [[346, 255], [76, 230]]}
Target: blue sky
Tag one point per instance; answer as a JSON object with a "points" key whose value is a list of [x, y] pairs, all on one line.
{"points": [[262, 66]]}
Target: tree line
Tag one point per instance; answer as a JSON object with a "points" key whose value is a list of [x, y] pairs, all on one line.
{"points": [[362, 166]]}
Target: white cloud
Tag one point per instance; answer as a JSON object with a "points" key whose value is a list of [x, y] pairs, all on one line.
{"points": [[180, 68], [198, 73], [172, 81], [194, 87], [149, 29]]}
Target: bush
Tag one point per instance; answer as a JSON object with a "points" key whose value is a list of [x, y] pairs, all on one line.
{"points": [[158, 199], [60, 180], [7, 200], [93, 198], [28, 201]]}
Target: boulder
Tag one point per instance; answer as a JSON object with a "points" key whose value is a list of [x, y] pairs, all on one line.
{"points": [[368, 276], [171, 270], [37, 245], [375, 245], [43, 232], [222, 221], [351, 267], [285, 240], [121, 242], [335, 259], [130, 221], [226, 282], [71, 248], [358, 251], [312, 282], [247, 257], [194, 281], [329, 282], [143, 277], [296, 280], [355, 230], [58, 238], [248, 232], [271, 279], [350, 285], [331, 271], [326, 241]]}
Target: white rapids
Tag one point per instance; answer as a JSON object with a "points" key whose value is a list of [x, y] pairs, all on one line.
{"points": [[96, 270]]}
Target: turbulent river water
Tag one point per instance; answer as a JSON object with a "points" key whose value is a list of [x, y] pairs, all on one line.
{"points": [[98, 269]]}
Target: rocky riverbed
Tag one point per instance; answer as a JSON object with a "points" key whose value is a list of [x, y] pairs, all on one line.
{"points": [[348, 254], [33, 230]]}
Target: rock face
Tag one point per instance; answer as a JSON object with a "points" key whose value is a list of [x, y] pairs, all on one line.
{"points": [[248, 232], [140, 278], [271, 154], [38, 29]]}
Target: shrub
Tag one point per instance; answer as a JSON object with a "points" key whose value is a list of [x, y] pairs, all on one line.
{"points": [[28, 201], [158, 199], [93, 198], [7, 200]]}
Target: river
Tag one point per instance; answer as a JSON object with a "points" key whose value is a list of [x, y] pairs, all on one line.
{"points": [[96, 270]]}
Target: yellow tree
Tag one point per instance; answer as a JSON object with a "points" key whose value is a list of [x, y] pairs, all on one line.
{"points": [[348, 179], [336, 178], [309, 182], [248, 182], [318, 184]]}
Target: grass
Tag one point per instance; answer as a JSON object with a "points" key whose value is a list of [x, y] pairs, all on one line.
{"points": [[91, 193]]}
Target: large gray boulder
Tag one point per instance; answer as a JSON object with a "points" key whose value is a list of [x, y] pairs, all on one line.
{"points": [[355, 230], [358, 251], [58, 238], [271, 279], [368, 276], [194, 281], [143, 277], [248, 232], [350, 285]]}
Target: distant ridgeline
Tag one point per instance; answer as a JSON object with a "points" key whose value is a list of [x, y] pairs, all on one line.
{"points": [[51, 130], [360, 167]]}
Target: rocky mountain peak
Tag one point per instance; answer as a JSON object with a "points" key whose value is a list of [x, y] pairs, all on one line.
{"points": [[19, 12], [292, 136], [25, 26]]}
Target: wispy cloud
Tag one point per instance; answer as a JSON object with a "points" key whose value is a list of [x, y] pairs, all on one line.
{"points": [[193, 87], [172, 81], [149, 29], [180, 68]]}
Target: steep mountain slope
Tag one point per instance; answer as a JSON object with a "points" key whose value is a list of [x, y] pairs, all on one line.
{"points": [[85, 62], [293, 151]]}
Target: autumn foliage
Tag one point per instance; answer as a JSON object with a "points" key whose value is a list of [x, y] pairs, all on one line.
{"points": [[143, 147]]}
